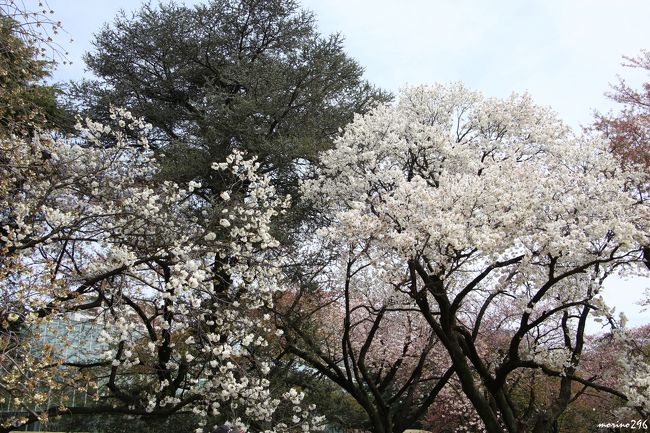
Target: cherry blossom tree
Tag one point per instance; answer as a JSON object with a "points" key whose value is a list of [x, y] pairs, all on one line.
{"points": [[373, 344], [175, 285], [629, 129], [467, 206], [618, 359], [452, 412]]}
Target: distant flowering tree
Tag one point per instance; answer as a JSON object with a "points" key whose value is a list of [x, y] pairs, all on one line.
{"points": [[176, 286], [452, 412], [621, 360], [497, 224], [629, 129], [618, 360], [374, 345]]}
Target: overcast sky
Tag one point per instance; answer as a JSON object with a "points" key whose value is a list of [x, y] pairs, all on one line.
{"points": [[563, 52]]}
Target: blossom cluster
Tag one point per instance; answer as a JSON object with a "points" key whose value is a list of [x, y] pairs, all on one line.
{"points": [[174, 281]]}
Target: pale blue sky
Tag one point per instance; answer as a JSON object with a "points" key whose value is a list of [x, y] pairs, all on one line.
{"points": [[564, 52]]}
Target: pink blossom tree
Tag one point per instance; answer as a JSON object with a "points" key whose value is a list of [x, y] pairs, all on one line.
{"points": [[375, 347]]}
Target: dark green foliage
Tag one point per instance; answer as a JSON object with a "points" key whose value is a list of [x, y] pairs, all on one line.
{"points": [[247, 74], [233, 74], [177, 423], [25, 102], [340, 409]]}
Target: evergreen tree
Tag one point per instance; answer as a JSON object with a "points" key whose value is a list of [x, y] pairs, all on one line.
{"points": [[246, 74], [25, 102]]}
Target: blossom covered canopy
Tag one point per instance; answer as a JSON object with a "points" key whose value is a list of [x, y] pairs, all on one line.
{"points": [[447, 170], [493, 218]]}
